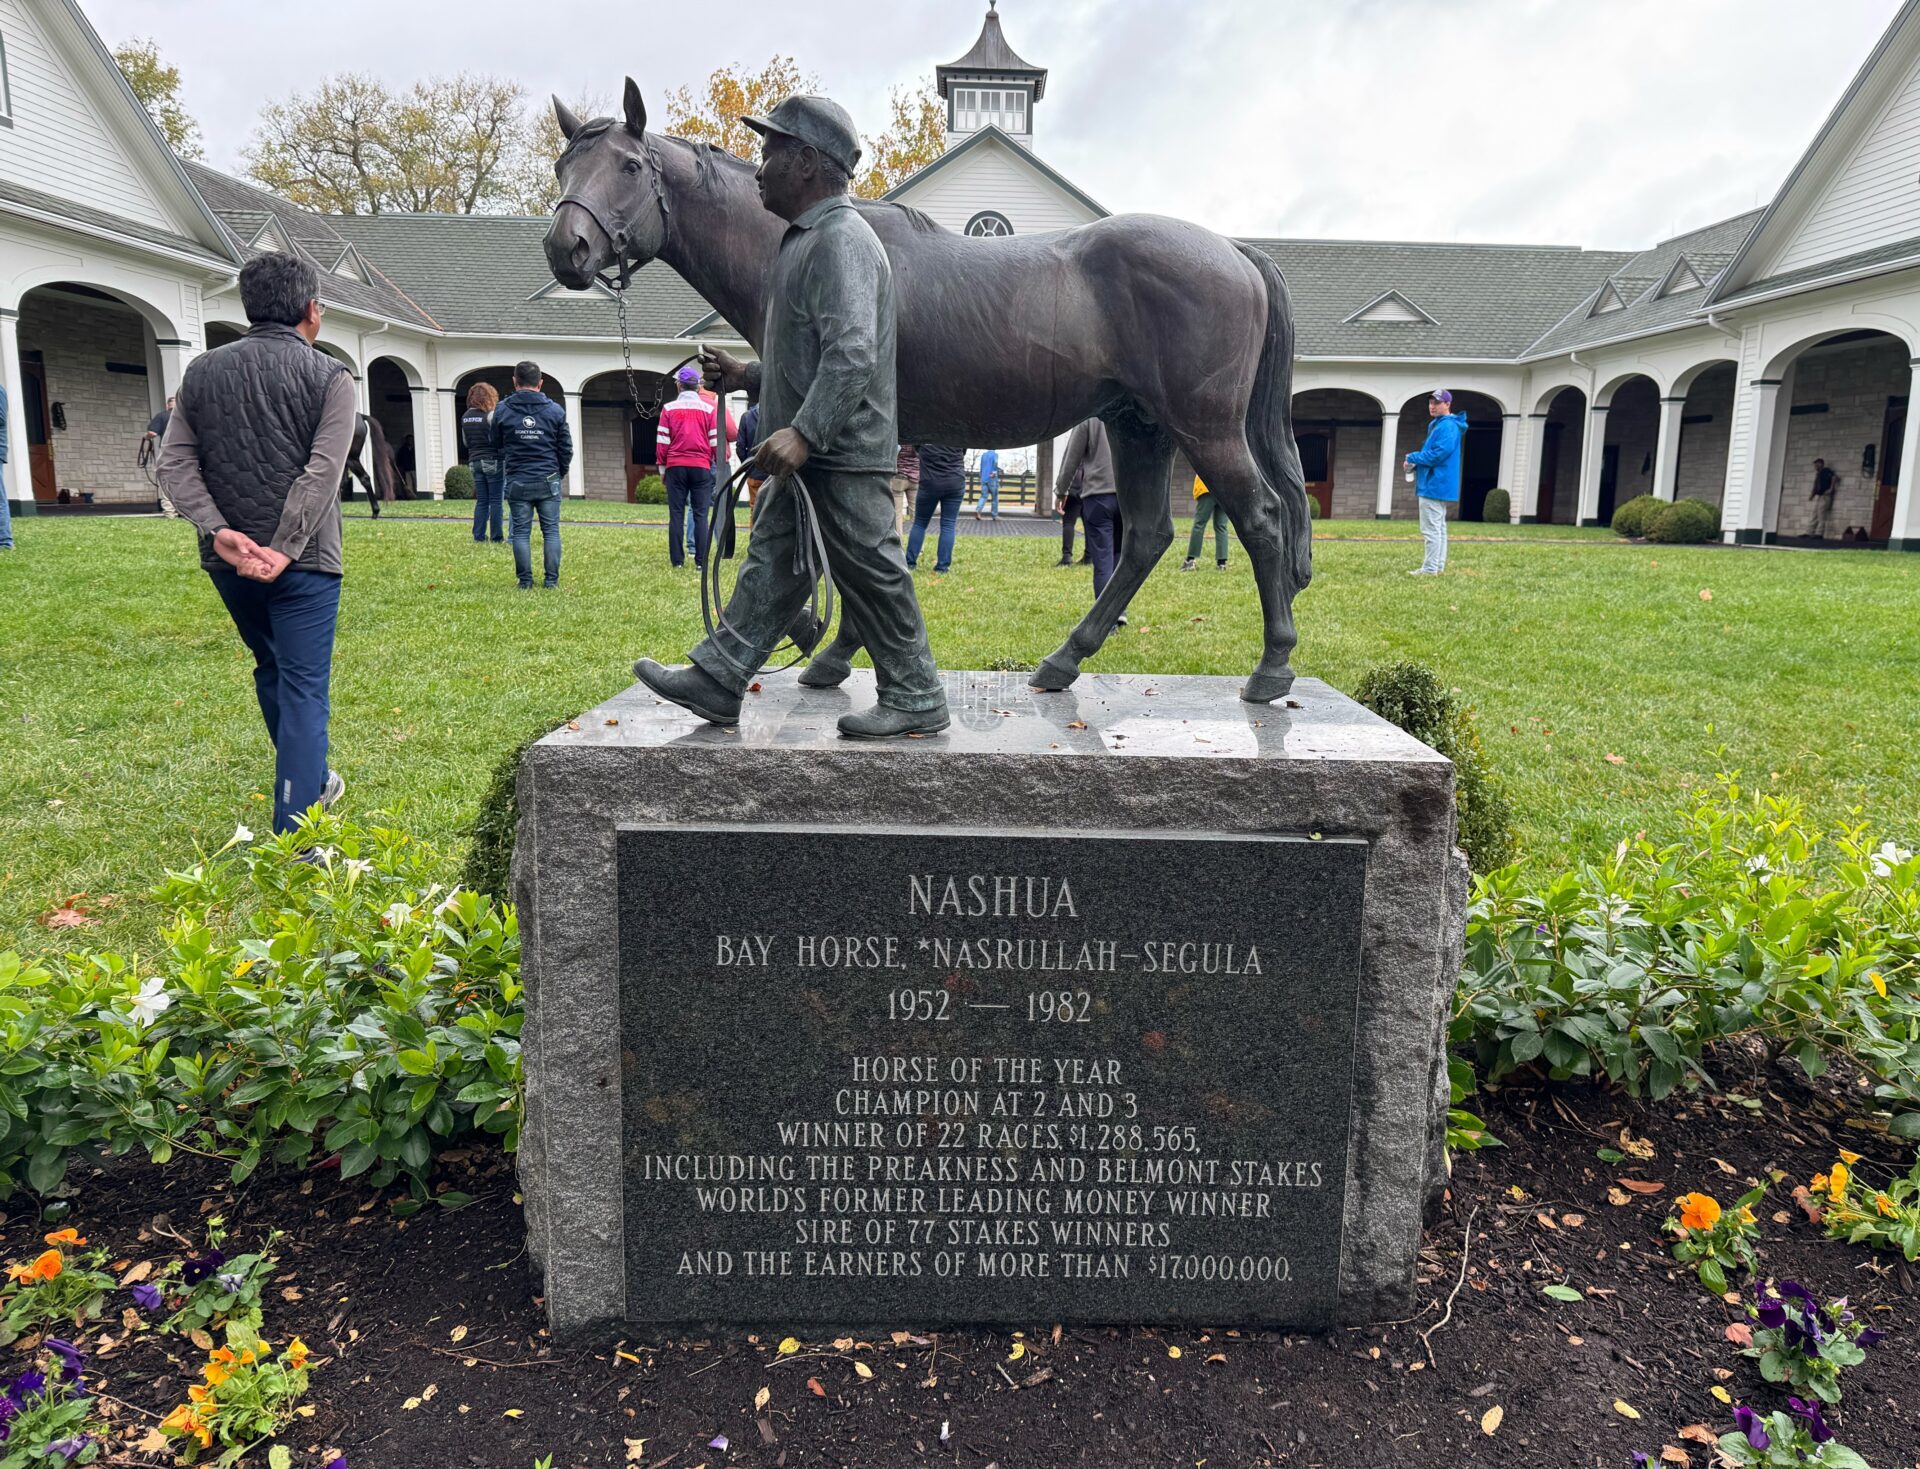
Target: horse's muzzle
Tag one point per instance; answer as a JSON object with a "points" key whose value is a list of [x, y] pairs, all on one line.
{"points": [[577, 248]]}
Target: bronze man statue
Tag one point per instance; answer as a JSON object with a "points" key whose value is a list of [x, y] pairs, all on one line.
{"points": [[827, 410]]}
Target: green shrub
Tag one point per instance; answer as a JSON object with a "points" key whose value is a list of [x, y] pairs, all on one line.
{"points": [[490, 838], [346, 1003], [458, 483], [1497, 509], [651, 490], [1684, 522], [1632, 518], [1408, 694], [1749, 926], [1313, 508]]}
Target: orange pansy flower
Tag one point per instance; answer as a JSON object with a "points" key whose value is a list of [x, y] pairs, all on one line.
{"points": [[64, 1237], [1884, 1205], [1849, 1158], [1837, 1182], [297, 1352], [1699, 1211]]}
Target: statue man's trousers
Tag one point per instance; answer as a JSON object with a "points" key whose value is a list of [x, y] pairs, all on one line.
{"points": [[870, 577]]}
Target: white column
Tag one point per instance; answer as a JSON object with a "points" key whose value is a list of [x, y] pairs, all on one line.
{"points": [[1775, 483], [427, 448], [1389, 466], [1666, 447], [19, 469], [1512, 456], [449, 454], [1905, 535], [1592, 455], [1746, 503], [174, 354], [576, 425], [1526, 494]]}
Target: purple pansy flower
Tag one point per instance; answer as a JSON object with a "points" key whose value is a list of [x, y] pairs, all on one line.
{"points": [[1642, 1460], [72, 1359], [26, 1385], [1868, 1337], [231, 1282], [1769, 1310], [147, 1297], [339, 1461], [194, 1271], [69, 1448], [1746, 1421], [1816, 1425]]}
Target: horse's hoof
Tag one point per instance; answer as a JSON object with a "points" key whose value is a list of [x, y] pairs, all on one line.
{"points": [[1052, 676], [1264, 687]]}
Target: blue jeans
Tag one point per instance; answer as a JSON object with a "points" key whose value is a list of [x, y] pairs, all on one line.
{"points": [[488, 494], [6, 510], [947, 500], [1101, 516], [523, 501], [689, 488], [287, 624], [989, 491]]}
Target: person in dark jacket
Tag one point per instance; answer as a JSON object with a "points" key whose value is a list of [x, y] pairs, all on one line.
{"points": [[943, 485], [1088, 449], [476, 434], [535, 449], [252, 456]]}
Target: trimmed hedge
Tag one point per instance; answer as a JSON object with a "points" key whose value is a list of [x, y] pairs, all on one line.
{"points": [[1409, 695], [490, 838], [1638, 514], [1685, 522], [651, 490], [1498, 508], [1313, 508], [458, 483]]}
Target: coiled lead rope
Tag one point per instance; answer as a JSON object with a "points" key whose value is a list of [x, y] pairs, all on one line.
{"points": [[809, 560]]}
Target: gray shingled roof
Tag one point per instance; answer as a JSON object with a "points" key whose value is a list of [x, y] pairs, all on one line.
{"points": [[1487, 301], [482, 273], [1638, 280], [243, 208], [992, 53], [100, 219]]}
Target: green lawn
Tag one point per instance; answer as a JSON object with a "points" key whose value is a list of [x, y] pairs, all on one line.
{"points": [[128, 732]]}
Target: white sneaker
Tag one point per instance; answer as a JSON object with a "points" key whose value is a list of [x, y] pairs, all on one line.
{"points": [[334, 789], [1422, 571]]}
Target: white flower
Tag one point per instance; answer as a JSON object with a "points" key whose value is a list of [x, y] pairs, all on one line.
{"points": [[398, 914], [1887, 858], [240, 834], [150, 1001], [359, 866], [1758, 863]]}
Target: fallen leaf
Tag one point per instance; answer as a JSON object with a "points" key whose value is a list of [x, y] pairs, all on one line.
{"points": [[635, 1448], [898, 1338], [1700, 1433], [1706, 594], [1081, 723], [752, 688], [1573, 1221], [1637, 1147], [613, 721], [67, 917], [1546, 1220], [458, 1334], [1721, 1393], [1618, 1196], [1217, 1357], [861, 1369], [1174, 1352], [813, 1386], [789, 1345], [427, 1392], [1739, 1333], [1561, 1292], [573, 724], [1490, 1420], [410, 1404], [762, 1398], [1625, 1410], [514, 1413], [155, 1442], [1641, 1185], [1019, 1351], [845, 1343], [139, 1273], [1807, 1206], [291, 1293], [1724, 1166], [1674, 1454], [200, 1339], [1613, 759]]}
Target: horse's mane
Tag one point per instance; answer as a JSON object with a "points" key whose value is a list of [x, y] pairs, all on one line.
{"points": [[918, 218]]}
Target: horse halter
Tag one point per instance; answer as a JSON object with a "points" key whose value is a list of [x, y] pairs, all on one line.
{"points": [[624, 265]]}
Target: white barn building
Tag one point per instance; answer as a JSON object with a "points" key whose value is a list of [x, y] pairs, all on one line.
{"points": [[1717, 364]]}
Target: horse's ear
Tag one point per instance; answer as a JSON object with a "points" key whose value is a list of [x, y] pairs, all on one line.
{"points": [[563, 114], [636, 110]]}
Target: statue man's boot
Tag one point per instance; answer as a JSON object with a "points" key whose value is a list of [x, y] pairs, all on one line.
{"points": [[829, 669], [693, 689], [884, 722]]}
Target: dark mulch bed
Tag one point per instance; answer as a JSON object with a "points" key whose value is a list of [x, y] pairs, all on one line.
{"points": [[383, 1300]]}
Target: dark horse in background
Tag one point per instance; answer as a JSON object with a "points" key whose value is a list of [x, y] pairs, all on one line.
{"points": [[1170, 333], [385, 484]]}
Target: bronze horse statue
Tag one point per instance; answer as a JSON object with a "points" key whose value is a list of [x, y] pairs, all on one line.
{"points": [[1171, 334]]}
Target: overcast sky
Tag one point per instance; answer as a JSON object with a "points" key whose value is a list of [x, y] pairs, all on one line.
{"points": [[1544, 121]]}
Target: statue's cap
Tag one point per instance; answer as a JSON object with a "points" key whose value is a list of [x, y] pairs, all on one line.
{"points": [[818, 121]]}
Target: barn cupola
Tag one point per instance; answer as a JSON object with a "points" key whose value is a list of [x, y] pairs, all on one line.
{"points": [[990, 87]]}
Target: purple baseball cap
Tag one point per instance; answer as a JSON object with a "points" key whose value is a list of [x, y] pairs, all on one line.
{"points": [[1441, 395], [688, 376]]}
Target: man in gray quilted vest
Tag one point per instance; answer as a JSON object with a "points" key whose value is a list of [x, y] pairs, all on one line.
{"points": [[252, 456]]}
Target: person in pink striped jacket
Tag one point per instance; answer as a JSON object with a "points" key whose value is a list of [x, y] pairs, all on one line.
{"points": [[684, 446]]}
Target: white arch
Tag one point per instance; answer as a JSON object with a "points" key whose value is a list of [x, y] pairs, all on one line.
{"points": [[1543, 403], [1685, 379], [415, 378], [1367, 393], [1780, 360], [164, 327], [1603, 397]]}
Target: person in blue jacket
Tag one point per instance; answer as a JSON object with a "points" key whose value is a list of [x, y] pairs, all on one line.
{"points": [[534, 447], [1436, 477]]}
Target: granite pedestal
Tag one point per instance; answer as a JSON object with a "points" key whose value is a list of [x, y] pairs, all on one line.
{"points": [[1120, 1004]]}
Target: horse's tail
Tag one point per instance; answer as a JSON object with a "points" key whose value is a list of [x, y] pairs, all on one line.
{"points": [[1270, 420], [385, 474]]}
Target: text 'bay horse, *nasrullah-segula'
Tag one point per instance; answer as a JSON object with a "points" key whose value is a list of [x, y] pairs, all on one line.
{"points": [[1171, 334]]}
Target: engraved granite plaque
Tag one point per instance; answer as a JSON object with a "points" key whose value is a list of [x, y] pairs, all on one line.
{"points": [[957, 1075]]}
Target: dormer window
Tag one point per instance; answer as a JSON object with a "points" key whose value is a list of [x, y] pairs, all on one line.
{"points": [[978, 107], [1683, 277], [1609, 300], [1392, 307]]}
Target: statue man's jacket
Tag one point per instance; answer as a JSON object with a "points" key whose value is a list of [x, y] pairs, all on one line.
{"points": [[826, 355]]}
